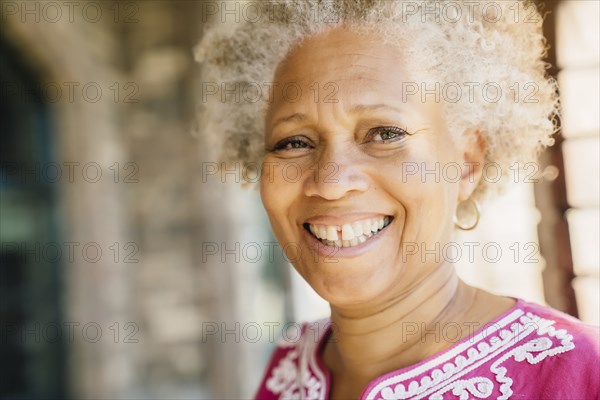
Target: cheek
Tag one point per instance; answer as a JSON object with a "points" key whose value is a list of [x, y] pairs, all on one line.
{"points": [[268, 194], [428, 168], [418, 183], [277, 193]]}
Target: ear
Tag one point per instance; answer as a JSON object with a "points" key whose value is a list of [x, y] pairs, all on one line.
{"points": [[473, 150]]}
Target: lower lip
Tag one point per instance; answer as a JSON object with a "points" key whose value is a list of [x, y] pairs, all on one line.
{"points": [[330, 253]]}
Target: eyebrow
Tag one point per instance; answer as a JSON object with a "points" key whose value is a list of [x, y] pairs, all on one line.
{"points": [[355, 109]]}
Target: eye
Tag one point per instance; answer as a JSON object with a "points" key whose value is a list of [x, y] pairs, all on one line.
{"points": [[386, 134], [294, 143]]}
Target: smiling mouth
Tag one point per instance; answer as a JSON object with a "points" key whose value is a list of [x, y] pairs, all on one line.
{"points": [[348, 235]]}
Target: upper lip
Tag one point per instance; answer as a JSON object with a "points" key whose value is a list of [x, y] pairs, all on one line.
{"points": [[342, 219]]}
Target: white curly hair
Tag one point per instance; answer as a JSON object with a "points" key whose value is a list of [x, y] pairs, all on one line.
{"points": [[494, 48]]}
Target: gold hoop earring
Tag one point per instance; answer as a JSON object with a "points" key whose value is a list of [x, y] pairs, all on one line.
{"points": [[463, 218]]}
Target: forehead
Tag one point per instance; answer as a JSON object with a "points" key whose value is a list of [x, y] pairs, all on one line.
{"points": [[342, 66], [341, 53], [339, 69]]}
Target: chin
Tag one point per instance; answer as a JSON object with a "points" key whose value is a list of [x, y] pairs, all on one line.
{"points": [[351, 285]]}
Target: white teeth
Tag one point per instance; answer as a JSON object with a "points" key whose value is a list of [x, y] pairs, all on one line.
{"points": [[366, 227], [347, 232], [322, 232], [348, 235], [332, 233], [374, 226], [358, 229]]}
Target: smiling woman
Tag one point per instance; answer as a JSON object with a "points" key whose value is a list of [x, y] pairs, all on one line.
{"points": [[358, 108]]}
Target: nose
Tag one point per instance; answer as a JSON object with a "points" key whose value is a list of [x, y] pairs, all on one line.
{"points": [[338, 173]]}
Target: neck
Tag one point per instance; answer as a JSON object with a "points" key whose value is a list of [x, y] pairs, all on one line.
{"points": [[400, 332]]}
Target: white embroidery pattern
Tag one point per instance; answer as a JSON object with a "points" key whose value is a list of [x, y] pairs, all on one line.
{"points": [[520, 336], [447, 379], [479, 387], [284, 378], [297, 375]]}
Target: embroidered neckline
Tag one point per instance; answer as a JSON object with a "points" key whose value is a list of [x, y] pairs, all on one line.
{"points": [[452, 351], [518, 334]]}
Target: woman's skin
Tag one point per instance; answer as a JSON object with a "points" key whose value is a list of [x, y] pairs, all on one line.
{"points": [[386, 298]]}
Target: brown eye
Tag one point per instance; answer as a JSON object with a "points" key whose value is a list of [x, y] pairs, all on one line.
{"points": [[291, 144], [386, 134]]}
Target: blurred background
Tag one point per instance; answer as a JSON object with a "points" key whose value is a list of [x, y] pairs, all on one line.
{"points": [[129, 269]]}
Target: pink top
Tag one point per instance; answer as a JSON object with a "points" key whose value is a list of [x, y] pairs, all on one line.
{"points": [[528, 352]]}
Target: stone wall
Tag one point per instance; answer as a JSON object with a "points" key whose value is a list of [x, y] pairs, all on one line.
{"points": [[153, 204]]}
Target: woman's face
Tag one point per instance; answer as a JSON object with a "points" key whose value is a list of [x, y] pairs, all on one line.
{"points": [[347, 150]]}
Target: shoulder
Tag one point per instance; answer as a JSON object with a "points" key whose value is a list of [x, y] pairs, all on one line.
{"points": [[294, 370], [530, 351], [585, 337], [565, 352]]}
